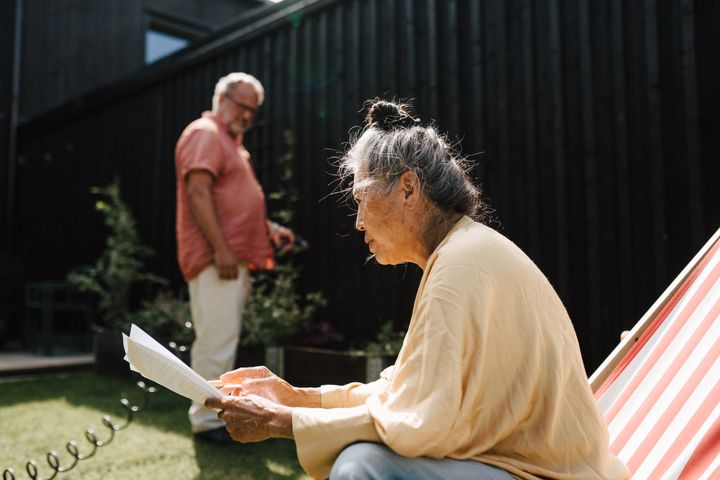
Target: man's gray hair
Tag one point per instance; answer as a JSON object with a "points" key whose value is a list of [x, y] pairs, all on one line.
{"points": [[226, 84]]}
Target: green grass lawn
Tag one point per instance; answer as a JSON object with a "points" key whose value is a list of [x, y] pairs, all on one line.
{"points": [[42, 413]]}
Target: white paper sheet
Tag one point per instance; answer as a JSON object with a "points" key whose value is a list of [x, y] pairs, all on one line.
{"points": [[154, 362]]}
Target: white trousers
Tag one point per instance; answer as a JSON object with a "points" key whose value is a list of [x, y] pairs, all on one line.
{"points": [[217, 306]]}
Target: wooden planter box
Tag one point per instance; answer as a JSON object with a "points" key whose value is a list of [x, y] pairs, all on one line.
{"points": [[312, 367], [301, 366], [271, 357]]}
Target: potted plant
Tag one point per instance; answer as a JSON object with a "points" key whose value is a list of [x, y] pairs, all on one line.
{"points": [[383, 350], [111, 279], [274, 315]]}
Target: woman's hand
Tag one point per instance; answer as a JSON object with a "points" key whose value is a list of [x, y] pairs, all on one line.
{"points": [[253, 419], [262, 382]]}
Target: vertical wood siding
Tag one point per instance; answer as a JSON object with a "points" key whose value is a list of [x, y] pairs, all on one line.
{"points": [[589, 124]]}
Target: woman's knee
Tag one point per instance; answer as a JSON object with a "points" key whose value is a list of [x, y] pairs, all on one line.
{"points": [[361, 461]]}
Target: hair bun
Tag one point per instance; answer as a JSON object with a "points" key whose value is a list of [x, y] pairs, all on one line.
{"points": [[386, 115]]}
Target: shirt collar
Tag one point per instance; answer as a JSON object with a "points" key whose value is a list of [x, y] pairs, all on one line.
{"points": [[238, 140]]}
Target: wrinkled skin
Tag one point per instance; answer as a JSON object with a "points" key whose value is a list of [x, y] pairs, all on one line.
{"points": [[257, 404], [262, 382], [250, 418]]}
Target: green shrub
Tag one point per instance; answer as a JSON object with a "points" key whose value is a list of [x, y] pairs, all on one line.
{"points": [[120, 266], [275, 312], [387, 342], [166, 317]]}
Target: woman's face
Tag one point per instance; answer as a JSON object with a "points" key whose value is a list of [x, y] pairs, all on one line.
{"points": [[381, 218]]}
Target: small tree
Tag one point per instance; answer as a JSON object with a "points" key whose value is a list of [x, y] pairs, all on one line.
{"points": [[121, 264], [276, 311]]}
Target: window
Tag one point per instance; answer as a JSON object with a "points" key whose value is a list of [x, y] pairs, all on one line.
{"points": [[160, 44], [167, 32]]}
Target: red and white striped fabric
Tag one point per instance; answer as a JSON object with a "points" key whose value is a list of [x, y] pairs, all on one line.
{"points": [[662, 401]]}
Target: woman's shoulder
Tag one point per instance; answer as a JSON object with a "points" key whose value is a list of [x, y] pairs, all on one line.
{"points": [[469, 237], [476, 245]]}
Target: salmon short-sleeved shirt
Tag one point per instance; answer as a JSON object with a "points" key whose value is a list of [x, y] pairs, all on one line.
{"points": [[205, 144]]}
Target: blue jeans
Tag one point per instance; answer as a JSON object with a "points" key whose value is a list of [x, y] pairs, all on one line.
{"points": [[372, 461]]}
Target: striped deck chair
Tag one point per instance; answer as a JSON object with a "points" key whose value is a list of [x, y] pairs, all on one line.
{"points": [[659, 390]]}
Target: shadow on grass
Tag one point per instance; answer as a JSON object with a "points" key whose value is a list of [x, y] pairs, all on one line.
{"points": [[272, 459]]}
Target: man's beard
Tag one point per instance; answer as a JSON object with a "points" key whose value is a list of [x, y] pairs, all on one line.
{"points": [[237, 128]]}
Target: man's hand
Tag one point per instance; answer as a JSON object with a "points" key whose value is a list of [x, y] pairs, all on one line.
{"points": [[226, 264], [262, 382], [281, 237], [253, 419]]}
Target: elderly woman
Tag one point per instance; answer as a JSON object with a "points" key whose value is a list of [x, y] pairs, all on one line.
{"points": [[489, 383]]}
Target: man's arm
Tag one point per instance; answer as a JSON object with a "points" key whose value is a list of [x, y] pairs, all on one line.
{"points": [[199, 190]]}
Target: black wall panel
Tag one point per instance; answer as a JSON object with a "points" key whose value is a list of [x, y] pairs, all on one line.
{"points": [[593, 126]]}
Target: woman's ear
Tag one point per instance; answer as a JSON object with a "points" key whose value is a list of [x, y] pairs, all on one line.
{"points": [[410, 187]]}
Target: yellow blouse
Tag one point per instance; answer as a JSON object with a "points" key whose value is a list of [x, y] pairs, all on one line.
{"points": [[489, 370]]}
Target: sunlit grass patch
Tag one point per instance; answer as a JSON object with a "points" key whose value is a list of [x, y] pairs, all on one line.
{"points": [[43, 413]]}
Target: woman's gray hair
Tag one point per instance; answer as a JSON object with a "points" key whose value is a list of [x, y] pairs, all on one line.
{"points": [[393, 142], [226, 84]]}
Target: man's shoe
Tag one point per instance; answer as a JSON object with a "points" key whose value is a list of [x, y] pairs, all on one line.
{"points": [[217, 435]]}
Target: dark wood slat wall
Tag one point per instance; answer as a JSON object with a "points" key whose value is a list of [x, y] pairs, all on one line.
{"points": [[110, 35], [7, 40], [590, 123], [655, 145], [557, 150], [593, 254], [471, 66], [431, 59], [619, 136], [707, 46], [524, 119]]}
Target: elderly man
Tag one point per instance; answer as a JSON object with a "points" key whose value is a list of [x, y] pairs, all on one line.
{"points": [[222, 230]]}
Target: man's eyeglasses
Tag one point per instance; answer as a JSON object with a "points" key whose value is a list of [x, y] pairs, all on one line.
{"points": [[241, 106]]}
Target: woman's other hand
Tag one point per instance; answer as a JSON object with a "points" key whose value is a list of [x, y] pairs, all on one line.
{"points": [[262, 382], [251, 418]]}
